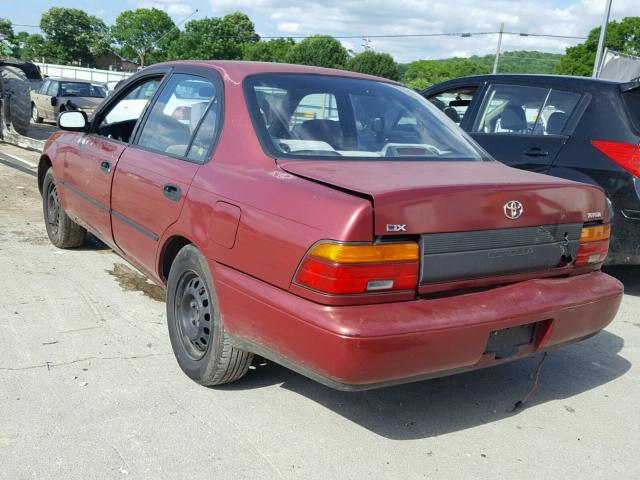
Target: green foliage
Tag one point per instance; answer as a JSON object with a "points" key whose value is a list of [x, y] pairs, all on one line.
{"points": [[144, 33], [424, 73], [215, 38], [33, 47], [375, 63], [319, 50], [623, 36], [72, 35], [275, 50]]}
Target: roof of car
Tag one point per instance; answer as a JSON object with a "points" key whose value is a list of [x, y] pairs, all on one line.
{"points": [[241, 69], [557, 80], [74, 80]]}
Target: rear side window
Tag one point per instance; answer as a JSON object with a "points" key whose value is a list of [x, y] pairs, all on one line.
{"points": [[518, 109], [632, 102], [454, 103]]}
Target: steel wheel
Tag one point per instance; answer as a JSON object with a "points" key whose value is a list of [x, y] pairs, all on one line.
{"points": [[193, 314], [53, 209]]}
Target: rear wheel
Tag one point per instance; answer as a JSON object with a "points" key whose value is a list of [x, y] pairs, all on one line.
{"points": [[202, 347], [62, 231]]}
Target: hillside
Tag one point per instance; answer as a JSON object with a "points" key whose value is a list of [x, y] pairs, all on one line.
{"points": [[422, 73]]}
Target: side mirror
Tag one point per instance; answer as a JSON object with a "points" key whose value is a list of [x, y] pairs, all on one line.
{"points": [[72, 120], [54, 101]]}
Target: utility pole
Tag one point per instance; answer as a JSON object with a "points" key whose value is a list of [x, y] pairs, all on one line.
{"points": [[495, 62], [597, 66]]}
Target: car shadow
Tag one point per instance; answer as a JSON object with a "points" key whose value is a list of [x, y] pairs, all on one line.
{"points": [[435, 407], [93, 243], [627, 274]]}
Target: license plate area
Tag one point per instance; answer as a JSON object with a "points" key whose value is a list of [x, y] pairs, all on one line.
{"points": [[506, 342]]}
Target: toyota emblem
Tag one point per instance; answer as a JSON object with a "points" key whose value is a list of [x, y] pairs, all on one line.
{"points": [[513, 209]]}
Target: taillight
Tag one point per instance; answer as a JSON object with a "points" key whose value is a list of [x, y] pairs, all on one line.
{"points": [[594, 245], [338, 268], [627, 155]]}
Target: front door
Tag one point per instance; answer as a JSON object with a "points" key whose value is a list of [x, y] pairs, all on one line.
{"points": [[523, 126], [155, 172], [91, 161]]}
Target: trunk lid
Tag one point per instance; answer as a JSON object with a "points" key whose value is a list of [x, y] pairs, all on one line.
{"points": [[438, 197]]}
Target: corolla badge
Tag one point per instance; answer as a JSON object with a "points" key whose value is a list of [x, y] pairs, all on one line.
{"points": [[513, 209]]}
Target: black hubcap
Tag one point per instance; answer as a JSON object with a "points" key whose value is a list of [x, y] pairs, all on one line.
{"points": [[53, 209], [193, 314]]}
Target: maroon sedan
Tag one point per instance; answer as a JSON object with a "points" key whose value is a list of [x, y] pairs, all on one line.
{"points": [[335, 223]]}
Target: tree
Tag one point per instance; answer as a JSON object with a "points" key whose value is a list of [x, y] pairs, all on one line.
{"points": [[215, 38], [375, 63], [33, 47], [623, 36], [319, 50], [424, 73], [72, 35], [144, 33], [275, 50], [7, 38]]}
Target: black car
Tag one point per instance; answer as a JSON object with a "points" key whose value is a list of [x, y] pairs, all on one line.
{"points": [[577, 128]]}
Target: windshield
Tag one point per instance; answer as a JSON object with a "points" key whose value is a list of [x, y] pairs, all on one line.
{"points": [[81, 89], [319, 116]]}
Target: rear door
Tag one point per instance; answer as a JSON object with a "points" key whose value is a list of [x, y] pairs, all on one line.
{"points": [[38, 96], [155, 172], [523, 126]]}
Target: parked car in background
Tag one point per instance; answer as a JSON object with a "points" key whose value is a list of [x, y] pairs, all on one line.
{"points": [[54, 96], [333, 222], [576, 128]]}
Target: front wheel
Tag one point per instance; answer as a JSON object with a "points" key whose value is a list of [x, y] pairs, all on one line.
{"points": [[202, 347], [62, 231]]}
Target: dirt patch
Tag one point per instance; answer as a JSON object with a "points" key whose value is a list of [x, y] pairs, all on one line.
{"points": [[130, 280]]}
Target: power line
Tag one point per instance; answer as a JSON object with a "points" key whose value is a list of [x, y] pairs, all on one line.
{"points": [[400, 35]]}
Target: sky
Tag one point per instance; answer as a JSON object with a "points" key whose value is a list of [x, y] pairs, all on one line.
{"points": [[377, 17]]}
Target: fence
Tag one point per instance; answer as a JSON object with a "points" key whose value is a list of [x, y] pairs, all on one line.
{"points": [[81, 73]]}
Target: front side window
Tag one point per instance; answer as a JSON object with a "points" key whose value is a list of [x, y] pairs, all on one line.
{"points": [[121, 118], [454, 103], [518, 109], [331, 117], [177, 114]]}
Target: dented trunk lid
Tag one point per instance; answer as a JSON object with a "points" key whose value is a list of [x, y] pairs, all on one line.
{"points": [[423, 197]]}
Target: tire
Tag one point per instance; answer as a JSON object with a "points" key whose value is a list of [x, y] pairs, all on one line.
{"points": [[196, 328], [18, 88], [35, 115], [63, 232]]}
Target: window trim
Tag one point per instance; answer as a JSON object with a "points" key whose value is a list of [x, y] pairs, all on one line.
{"points": [[209, 74]]}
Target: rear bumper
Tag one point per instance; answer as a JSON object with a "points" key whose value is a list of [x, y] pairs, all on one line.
{"points": [[368, 346]]}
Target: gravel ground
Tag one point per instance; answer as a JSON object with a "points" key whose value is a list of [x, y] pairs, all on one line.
{"points": [[89, 389]]}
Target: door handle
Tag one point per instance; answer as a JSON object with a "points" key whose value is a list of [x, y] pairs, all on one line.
{"points": [[105, 167], [172, 192], [536, 152]]}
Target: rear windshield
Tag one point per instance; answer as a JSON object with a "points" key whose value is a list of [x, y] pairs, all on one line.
{"points": [[632, 100], [80, 89], [331, 117]]}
